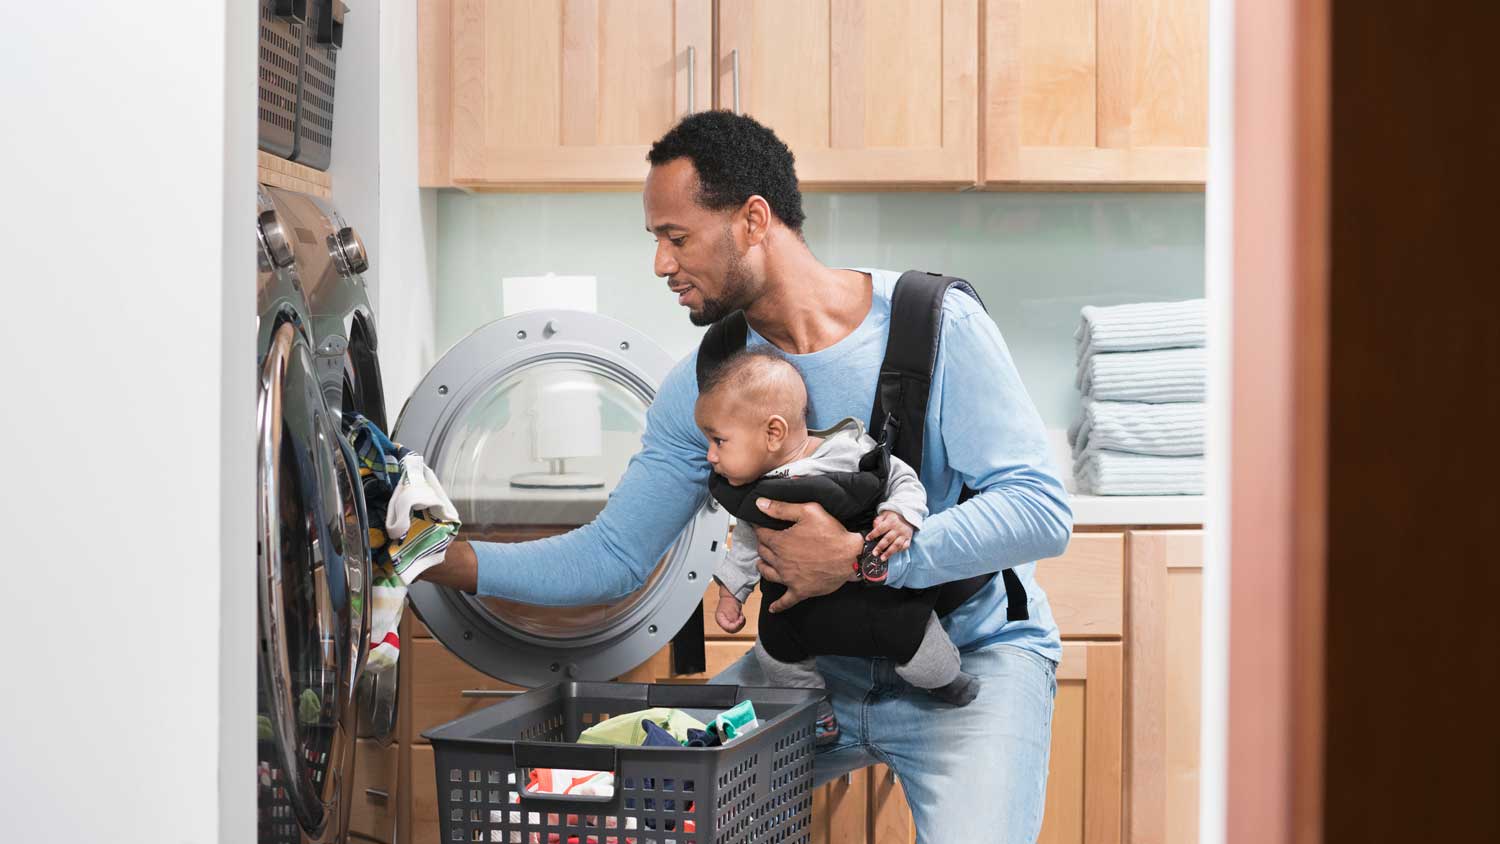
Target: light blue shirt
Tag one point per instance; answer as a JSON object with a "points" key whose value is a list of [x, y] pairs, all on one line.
{"points": [[982, 430]]}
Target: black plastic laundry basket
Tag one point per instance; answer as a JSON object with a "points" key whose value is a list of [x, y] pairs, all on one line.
{"points": [[281, 26], [755, 790]]}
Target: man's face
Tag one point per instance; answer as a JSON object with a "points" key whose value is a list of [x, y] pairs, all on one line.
{"points": [[695, 247]]}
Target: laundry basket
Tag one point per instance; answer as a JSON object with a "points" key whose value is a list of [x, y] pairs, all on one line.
{"points": [[281, 31], [755, 790], [321, 39]]}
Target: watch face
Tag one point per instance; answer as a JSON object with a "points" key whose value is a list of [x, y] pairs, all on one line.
{"points": [[873, 568]]}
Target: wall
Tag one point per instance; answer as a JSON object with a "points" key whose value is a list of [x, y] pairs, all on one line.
{"points": [[1035, 258], [129, 408], [374, 171]]}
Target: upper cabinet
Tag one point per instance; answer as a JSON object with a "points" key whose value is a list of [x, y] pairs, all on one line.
{"points": [[557, 93], [1096, 92], [869, 94], [866, 94]]}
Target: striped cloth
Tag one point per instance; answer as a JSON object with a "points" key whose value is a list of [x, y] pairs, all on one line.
{"points": [[1157, 376], [1166, 430], [1104, 472], [385, 466], [1139, 327]]}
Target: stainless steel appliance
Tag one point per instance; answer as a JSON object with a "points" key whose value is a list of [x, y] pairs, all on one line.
{"points": [[314, 565]]}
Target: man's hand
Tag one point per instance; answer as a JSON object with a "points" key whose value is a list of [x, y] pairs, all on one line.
{"points": [[458, 570], [894, 533], [730, 614], [813, 557]]}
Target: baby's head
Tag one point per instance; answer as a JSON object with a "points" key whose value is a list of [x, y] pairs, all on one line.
{"points": [[753, 410]]}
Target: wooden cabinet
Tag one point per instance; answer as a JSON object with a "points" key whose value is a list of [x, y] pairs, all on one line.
{"points": [[1084, 797], [865, 94], [1162, 663], [557, 93], [372, 815], [569, 94], [1095, 92]]}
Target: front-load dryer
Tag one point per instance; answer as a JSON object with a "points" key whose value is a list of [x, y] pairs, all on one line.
{"points": [[330, 261], [313, 567], [529, 423]]}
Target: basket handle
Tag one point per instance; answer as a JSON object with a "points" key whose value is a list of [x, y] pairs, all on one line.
{"points": [[692, 697], [582, 757]]}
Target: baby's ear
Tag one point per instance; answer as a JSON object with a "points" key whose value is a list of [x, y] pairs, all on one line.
{"points": [[776, 431]]}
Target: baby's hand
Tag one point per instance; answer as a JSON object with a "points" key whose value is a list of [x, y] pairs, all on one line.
{"points": [[729, 615], [895, 534]]}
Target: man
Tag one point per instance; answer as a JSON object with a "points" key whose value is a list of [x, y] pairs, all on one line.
{"points": [[722, 201]]}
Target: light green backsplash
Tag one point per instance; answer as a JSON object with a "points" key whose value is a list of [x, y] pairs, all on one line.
{"points": [[1036, 258]]}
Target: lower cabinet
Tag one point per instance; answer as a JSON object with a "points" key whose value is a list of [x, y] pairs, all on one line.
{"points": [[1124, 759], [372, 815]]}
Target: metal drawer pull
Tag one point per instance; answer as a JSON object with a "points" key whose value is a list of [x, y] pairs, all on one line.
{"points": [[491, 692], [378, 794], [734, 61]]}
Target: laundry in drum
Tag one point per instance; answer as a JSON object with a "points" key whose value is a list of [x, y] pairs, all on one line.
{"points": [[412, 522]]}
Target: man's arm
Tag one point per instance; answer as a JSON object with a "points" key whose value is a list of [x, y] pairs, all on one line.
{"points": [[994, 440], [613, 555]]}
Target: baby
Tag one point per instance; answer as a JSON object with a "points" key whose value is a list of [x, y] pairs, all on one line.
{"points": [[753, 410]]}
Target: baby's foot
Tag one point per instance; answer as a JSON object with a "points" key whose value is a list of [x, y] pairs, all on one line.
{"points": [[963, 689]]}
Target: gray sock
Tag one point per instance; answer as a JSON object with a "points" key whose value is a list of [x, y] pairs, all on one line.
{"points": [[935, 664], [790, 675]]}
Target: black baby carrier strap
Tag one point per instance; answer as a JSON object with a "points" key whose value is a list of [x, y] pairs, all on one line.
{"points": [[901, 397], [899, 416]]}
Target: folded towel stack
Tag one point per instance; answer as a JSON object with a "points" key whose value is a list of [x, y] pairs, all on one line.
{"points": [[1143, 374]]}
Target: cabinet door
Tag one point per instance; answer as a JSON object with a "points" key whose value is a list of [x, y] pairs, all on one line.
{"points": [[1084, 793], [1096, 91], [570, 93], [866, 94], [1166, 584]]}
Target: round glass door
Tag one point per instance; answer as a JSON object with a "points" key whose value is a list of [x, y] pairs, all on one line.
{"points": [[529, 423], [312, 616]]}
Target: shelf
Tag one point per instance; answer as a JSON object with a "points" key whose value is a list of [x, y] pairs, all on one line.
{"points": [[1091, 510]]}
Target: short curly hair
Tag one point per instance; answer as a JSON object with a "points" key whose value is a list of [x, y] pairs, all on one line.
{"points": [[736, 158]]}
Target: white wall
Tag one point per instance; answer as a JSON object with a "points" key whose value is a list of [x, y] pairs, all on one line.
{"points": [[128, 416], [374, 184]]}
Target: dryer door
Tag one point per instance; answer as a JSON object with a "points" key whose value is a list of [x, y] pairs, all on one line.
{"points": [[313, 614], [529, 423]]}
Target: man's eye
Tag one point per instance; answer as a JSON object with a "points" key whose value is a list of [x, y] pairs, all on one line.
{"points": [[718, 440], [677, 241]]}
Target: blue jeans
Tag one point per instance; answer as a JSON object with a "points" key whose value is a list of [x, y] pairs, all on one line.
{"points": [[972, 774]]}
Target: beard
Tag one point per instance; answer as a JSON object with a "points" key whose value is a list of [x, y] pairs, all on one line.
{"points": [[735, 295]]}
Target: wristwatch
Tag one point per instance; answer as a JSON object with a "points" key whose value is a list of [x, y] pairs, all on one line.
{"points": [[869, 567]]}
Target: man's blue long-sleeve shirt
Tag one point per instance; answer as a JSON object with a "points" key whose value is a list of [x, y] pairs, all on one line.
{"points": [[982, 430]]}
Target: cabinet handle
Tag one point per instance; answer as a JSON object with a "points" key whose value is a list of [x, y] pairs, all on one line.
{"points": [[491, 692], [734, 64], [692, 73], [378, 794]]}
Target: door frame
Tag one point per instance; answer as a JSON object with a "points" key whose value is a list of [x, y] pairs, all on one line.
{"points": [[1278, 412]]}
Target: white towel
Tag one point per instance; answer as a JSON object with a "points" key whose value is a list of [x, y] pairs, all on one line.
{"points": [[1167, 430], [1103, 472], [1148, 325], [1167, 375]]}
